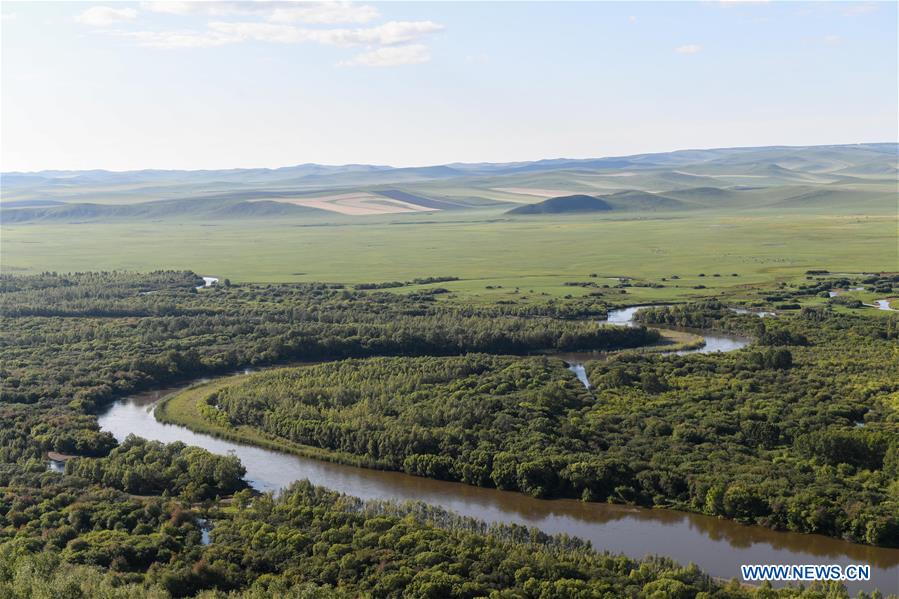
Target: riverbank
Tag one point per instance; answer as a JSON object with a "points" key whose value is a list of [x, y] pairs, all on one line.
{"points": [[183, 409]]}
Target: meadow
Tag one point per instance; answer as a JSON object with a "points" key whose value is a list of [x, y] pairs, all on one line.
{"points": [[484, 249]]}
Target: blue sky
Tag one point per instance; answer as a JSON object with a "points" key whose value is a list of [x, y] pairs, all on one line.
{"points": [[122, 85]]}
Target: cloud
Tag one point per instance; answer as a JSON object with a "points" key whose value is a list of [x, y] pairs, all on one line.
{"points": [[221, 33], [390, 56], [103, 16], [169, 7], [393, 32], [632, 18], [688, 49], [833, 40], [176, 39], [322, 13], [387, 44]]}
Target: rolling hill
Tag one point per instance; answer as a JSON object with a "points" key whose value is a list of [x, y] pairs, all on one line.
{"points": [[575, 204], [848, 177]]}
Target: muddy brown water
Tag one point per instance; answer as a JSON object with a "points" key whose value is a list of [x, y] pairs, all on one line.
{"points": [[717, 546]]}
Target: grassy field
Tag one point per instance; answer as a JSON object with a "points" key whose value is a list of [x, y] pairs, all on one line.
{"points": [[535, 254]]}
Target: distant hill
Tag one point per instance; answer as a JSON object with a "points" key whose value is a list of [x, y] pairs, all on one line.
{"points": [[564, 205], [171, 209], [706, 196], [775, 177], [641, 200]]}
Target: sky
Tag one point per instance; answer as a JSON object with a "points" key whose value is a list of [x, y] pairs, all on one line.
{"points": [[183, 85]]}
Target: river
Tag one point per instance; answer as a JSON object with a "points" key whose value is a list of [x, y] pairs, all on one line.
{"points": [[714, 341], [717, 546]]}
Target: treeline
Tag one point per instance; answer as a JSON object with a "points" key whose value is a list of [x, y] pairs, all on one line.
{"points": [[467, 418], [709, 314], [820, 283], [144, 467], [815, 453], [129, 338], [798, 436], [395, 284], [312, 543]]}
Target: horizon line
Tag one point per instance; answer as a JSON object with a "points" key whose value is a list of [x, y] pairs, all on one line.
{"points": [[460, 163]]}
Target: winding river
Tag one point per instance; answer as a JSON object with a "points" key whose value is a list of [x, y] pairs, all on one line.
{"points": [[717, 546], [714, 341]]}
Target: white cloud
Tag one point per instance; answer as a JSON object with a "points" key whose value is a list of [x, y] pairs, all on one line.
{"points": [[688, 49], [833, 40], [390, 56], [169, 7], [318, 12], [393, 32], [103, 16], [388, 44], [632, 18], [262, 32], [177, 39], [221, 33], [323, 13]]}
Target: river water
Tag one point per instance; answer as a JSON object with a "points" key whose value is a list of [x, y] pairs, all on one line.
{"points": [[714, 340], [717, 546], [208, 282]]}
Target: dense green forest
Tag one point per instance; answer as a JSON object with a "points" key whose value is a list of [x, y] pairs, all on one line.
{"points": [[780, 436], [797, 432], [104, 334], [68, 540]]}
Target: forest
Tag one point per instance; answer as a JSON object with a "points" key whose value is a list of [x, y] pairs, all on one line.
{"points": [[777, 436], [797, 432], [67, 540]]}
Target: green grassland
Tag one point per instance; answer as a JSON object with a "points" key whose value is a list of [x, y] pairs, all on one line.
{"points": [[534, 254], [761, 213]]}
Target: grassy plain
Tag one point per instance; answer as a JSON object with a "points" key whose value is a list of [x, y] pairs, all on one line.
{"points": [[535, 254]]}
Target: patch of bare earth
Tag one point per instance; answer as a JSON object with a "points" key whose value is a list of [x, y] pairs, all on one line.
{"points": [[357, 204]]}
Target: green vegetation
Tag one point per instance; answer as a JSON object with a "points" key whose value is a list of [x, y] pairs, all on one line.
{"points": [[536, 255], [768, 436], [752, 435], [105, 334], [763, 213], [310, 543], [427, 342], [151, 468], [564, 205]]}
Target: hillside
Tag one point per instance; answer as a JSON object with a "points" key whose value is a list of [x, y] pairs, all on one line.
{"points": [[642, 201], [178, 209], [564, 205], [849, 178]]}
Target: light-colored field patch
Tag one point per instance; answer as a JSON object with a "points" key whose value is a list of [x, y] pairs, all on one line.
{"points": [[355, 204], [533, 191]]}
